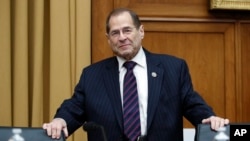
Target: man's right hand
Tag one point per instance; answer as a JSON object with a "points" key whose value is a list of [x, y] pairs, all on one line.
{"points": [[55, 127]]}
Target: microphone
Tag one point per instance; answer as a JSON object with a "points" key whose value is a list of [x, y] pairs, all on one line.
{"points": [[88, 126], [91, 126]]}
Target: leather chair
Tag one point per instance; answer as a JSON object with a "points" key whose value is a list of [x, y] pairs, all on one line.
{"points": [[27, 133], [205, 133]]}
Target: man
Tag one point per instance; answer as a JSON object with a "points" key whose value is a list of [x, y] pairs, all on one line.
{"points": [[162, 92]]}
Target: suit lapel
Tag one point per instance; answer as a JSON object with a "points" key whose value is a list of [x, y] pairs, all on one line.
{"points": [[155, 77], [111, 80]]}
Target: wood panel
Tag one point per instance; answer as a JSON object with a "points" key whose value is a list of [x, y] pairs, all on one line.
{"points": [[169, 8], [99, 45], [245, 74], [208, 49]]}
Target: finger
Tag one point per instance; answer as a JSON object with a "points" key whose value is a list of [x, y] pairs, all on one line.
{"points": [[222, 122], [217, 125], [226, 121], [54, 133], [58, 132], [214, 123], [48, 129], [205, 121], [65, 131], [45, 126]]}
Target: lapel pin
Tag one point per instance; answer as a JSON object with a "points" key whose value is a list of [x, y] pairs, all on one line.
{"points": [[154, 74]]}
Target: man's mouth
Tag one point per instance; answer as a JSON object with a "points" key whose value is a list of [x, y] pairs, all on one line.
{"points": [[124, 45]]}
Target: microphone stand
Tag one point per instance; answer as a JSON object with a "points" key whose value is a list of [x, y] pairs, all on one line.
{"points": [[91, 126]]}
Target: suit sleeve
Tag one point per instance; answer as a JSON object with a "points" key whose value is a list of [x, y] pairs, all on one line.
{"points": [[194, 106], [72, 110]]}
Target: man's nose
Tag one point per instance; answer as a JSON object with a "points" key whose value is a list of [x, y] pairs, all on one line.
{"points": [[122, 36]]}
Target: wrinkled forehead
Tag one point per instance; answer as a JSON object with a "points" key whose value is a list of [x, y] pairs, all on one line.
{"points": [[120, 21]]}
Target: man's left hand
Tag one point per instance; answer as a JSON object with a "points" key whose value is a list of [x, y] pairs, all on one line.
{"points": [[216, 122]]}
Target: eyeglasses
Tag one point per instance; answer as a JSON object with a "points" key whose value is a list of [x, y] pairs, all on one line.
{"points": [[125, 31]]}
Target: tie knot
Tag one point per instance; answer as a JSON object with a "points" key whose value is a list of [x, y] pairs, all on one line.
{"points": [[129, 65]]}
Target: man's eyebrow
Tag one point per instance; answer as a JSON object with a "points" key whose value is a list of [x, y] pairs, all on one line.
{"points": [[125, 27]]}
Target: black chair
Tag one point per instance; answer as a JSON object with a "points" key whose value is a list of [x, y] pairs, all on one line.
{"points": [[205, 133], [27, 133]]}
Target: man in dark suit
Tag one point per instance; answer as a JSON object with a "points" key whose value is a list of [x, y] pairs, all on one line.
{"points": [[163, 88]]}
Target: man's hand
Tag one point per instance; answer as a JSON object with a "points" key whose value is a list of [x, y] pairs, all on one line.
{"points": [[55, 127], [216, 122]]}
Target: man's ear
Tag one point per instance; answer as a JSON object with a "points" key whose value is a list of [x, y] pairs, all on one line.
{"points": [[108, 38], [107, 35], [141, 30]]}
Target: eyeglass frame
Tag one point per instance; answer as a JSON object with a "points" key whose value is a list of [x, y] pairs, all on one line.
{"points": [[125, 31]]}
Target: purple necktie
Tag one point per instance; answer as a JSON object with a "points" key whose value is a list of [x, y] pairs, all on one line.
{"points": [[131, 113]]}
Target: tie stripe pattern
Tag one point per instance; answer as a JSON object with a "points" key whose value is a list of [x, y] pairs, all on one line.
{"points": [[131, 113]]}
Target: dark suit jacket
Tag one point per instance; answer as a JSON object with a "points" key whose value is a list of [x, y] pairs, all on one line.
{"points": [[170, 97]]}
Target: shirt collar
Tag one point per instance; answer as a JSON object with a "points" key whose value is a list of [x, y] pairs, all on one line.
{"points": [[140, 59]]}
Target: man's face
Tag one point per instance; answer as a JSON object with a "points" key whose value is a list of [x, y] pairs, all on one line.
{"points": [[123, 37]]}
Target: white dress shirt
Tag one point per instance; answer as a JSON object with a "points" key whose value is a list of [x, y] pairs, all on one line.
{"points": [[140, 71]]}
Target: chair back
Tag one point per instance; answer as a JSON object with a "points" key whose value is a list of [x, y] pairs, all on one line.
{"points": [[25, 134], [205, 133]]}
